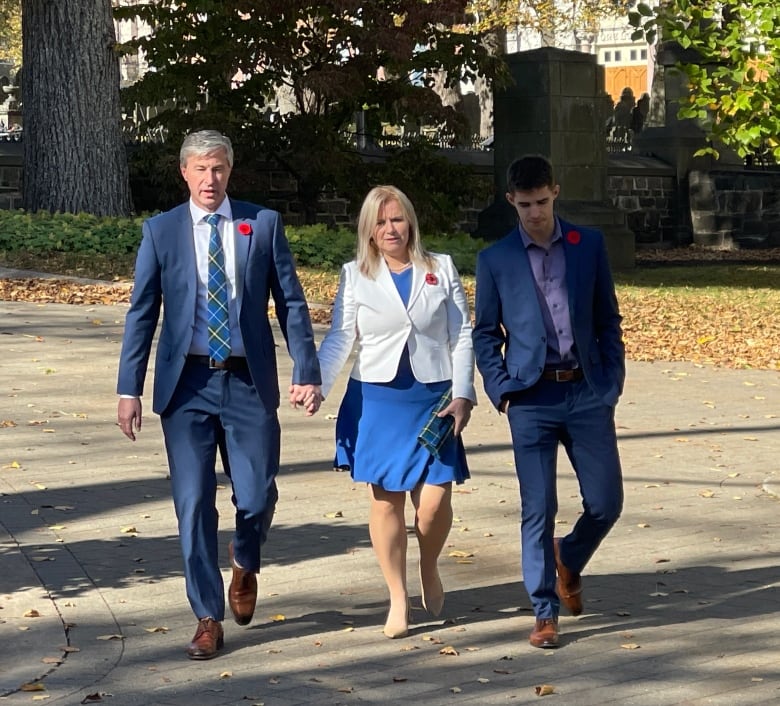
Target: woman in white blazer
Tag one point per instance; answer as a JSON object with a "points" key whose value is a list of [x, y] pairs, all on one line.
{"points": [[408, 312]]}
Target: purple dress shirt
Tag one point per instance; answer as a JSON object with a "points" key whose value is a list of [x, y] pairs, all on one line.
{"points": [[549, 269]]}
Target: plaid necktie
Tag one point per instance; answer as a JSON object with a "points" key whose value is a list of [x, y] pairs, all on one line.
{"points": [[217, 298]]}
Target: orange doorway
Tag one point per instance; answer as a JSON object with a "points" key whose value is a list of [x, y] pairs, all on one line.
{"points": [[616, 78]]}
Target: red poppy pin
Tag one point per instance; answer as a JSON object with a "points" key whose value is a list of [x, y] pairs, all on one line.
{"points": [[431, 278], [245, 229], [573, 236]]}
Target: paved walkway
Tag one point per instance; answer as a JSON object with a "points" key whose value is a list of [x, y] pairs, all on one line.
{"points": [[682, 601]]}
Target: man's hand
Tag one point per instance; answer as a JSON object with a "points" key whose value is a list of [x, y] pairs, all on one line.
{"points": [[129, 416], [307, 396], [460, 408]]}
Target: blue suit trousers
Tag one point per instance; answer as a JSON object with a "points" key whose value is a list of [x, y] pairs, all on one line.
{"points": [[540, 418], [219, 410]]}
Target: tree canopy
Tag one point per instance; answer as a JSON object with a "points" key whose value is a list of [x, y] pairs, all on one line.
{"points": [[288, 77], [547, 17], [11, 31], [735, 84]]}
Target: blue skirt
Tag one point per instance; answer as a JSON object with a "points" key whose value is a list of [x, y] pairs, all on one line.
{"points": [[376, 435]]}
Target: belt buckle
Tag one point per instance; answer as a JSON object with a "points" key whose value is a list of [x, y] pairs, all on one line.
{"points": [[217, 364], [562, 375]]}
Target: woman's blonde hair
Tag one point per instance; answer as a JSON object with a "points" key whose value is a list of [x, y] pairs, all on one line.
{"points": [[368, 255]]}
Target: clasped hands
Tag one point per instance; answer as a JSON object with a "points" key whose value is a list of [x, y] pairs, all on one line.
{"points": [[307, 396]]}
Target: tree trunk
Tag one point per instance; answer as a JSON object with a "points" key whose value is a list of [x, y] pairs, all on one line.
{"points": [[74, 154]]}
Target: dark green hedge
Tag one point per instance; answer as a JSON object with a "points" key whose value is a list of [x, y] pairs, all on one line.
{"points": [[313, 246]]}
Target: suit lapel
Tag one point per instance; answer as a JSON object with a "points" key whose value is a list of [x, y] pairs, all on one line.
{"points": [[182, 273], [418, 282], [241, 244], [572, 256], [385, 281], [185, 248], [523, 279]]}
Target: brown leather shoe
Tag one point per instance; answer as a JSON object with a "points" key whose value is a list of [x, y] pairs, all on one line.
{"points": [[208, 640], [569, 585], [545, 633], [242, 594]]}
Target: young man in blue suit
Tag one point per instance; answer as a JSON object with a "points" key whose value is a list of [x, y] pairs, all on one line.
{"points": [[213, 262], [548, 343]]}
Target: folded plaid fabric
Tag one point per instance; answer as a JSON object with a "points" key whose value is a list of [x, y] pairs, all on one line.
{"points": [[437, 429]]}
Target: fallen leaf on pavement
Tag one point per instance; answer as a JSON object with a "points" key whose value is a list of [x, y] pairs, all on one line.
{"points": [[32, 686]]}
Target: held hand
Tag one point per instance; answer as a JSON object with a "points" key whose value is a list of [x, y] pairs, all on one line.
{"points": [[307, 396], [129, 416], [460, 408]]}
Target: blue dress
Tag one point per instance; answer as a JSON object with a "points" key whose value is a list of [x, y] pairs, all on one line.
{"points": [[378, 424]]}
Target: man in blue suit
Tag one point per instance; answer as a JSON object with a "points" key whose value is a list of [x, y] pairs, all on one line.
{"points": [[548, 343], [213, 262]]}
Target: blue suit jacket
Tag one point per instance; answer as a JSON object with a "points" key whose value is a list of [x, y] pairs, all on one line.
{"points": [[166, 272], [510, 342]]}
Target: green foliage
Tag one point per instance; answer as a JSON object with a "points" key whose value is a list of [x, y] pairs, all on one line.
{"points": [[321, 247], [735, 86], [11, 32], [310, 65], [44, 234], [546, 16], [461, 246]]}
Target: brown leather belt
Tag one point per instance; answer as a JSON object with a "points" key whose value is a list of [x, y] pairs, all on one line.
{"points": [[232, 364], [570, 375]]}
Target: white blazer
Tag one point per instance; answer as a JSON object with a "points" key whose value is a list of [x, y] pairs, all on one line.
{"points": [[435, 325]]}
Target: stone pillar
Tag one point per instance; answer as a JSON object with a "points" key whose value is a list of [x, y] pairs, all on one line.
{"points": [[675, 141], [555, 107]]}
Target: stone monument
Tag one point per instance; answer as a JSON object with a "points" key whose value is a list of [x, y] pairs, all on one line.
{"points": [[555, 107]]}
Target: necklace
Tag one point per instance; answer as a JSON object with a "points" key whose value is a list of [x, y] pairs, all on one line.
{"points": [[398, 270]]}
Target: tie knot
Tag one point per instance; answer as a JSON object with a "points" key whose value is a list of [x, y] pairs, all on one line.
{"points": [[213, 219]]}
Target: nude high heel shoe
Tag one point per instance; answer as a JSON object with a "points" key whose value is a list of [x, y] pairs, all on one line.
{"points": [[432, 597], [398, 628]]}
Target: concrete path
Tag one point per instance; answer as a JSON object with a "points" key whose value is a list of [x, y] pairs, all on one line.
{"points": [[682, 601]]}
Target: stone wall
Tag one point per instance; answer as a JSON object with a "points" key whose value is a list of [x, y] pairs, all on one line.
{"points": [[729, 208], [645, 190], [281, 189], [10, 178], [735, 208]]}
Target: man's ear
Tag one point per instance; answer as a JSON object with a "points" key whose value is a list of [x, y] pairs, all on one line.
{"points": [[509, 198]]}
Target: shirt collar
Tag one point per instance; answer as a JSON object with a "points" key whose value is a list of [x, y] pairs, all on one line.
{"points": [[198, 214], [528, 241]]}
